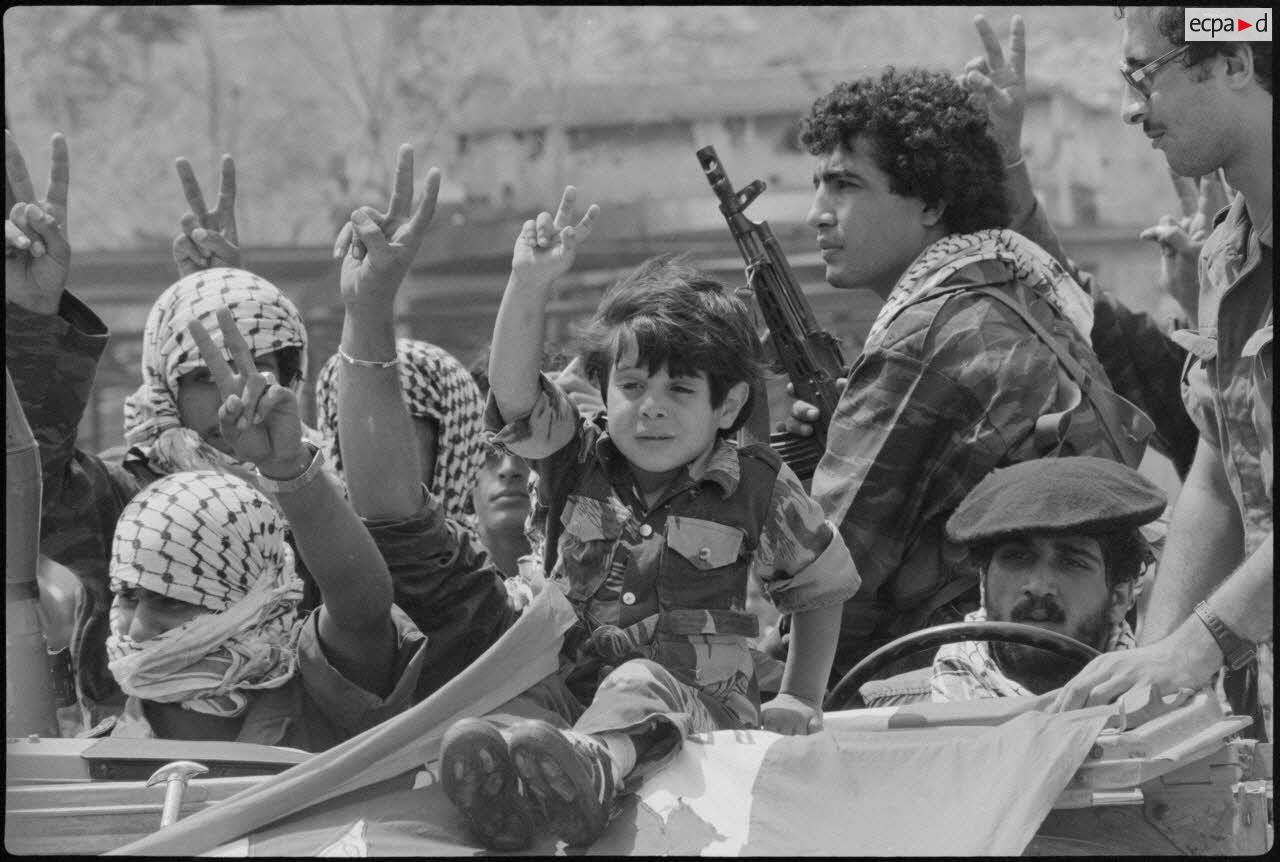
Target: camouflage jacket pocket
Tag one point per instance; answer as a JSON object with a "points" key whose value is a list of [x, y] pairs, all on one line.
{"points": [[705, 545]]}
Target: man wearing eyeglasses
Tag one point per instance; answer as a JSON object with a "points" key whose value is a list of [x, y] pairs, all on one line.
{"points": [[1207, 105]]}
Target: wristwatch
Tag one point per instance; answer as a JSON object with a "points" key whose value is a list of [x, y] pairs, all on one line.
{"points": [[1236, 651], [285, 486]]}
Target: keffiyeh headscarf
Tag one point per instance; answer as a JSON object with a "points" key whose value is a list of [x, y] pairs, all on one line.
{"points": [[436, 386], [208, 539], [266, 318], [1034, 266]]}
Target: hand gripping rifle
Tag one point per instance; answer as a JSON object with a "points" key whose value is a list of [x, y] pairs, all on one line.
{"points": [[809, 355]]}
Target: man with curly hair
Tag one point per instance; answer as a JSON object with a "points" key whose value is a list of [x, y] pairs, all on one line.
{"points": [[979, 359]]}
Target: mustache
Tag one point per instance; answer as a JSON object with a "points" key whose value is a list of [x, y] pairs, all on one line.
{"points": [[1049, 606]]}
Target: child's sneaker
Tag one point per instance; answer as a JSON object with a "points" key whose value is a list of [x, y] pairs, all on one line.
{"points": [[570, 774], [479, 779]]}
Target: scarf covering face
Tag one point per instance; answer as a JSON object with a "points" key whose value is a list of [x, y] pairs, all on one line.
{"points": [[1034, 266], [265, 317], [968, 671], [208, 539], [435, 386]]}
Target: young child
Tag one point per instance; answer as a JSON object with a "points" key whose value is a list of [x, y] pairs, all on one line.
{"points": [[658, 521]]}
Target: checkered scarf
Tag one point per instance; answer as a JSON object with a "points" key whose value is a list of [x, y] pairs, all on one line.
{"points": [[267, 320], [1033, 265], [208, 539], [436, 386], [968, 670]]}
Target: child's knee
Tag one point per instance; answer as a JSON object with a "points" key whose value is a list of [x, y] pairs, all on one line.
{"points": [[637, 674]]}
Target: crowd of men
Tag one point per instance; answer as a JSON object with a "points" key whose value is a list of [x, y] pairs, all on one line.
{"points": [[244, 576]]}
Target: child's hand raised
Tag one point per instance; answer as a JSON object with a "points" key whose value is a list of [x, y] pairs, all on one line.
{"points": [[258, 417], [546, 247]]}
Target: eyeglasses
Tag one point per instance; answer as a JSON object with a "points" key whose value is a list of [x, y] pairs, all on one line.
{"points": [[1140, 79]]}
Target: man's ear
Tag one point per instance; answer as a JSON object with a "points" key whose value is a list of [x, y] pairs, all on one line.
{"points": [[1123, 597], [932, 214], [733, 401], [1239, 62]]}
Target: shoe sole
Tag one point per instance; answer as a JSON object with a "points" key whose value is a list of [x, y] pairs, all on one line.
{"points": [[480, 780], [555, 774]]}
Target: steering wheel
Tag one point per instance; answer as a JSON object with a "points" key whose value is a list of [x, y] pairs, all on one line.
{"points": [[845, 694]]}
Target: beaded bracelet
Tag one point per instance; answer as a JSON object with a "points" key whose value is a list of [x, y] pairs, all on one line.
{"points": [[366, 363]]}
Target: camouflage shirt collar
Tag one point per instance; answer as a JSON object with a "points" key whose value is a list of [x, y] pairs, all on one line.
{"points": [[722, 467]]}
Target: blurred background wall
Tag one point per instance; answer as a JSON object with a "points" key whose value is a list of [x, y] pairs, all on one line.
{"points": [[513, 102]]}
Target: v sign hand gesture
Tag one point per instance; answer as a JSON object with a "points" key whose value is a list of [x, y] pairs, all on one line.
{"points": [[1180, 239], [546, 247], [390, 240], [258, 417], [207, 239], [1002, 86], [37, 254]]}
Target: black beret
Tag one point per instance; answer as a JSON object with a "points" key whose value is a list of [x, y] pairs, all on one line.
{"points": [[1055, 495]]}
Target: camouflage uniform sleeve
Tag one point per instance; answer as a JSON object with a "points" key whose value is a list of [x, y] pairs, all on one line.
{"points": [[52, 359], [802, 561], [548, 428], [445, 581], [344, 702], [556, 439]]}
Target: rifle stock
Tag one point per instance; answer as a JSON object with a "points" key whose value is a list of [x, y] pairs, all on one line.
{"points": [[809, 355]]}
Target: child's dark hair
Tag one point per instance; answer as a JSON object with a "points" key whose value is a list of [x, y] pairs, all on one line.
{"points": [[680, 318]]}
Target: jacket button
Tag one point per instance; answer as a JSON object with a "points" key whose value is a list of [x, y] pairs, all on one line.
{"points": [[646, 530], [704, 554], [628, 598]]}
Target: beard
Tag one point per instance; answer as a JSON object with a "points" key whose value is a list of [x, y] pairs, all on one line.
{"points": [[1039, 670]]}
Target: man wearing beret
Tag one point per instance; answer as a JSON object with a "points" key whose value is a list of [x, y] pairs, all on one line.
{"points": [[1058, 545]]}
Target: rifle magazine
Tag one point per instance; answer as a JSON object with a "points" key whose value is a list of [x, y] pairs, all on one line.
{"points": [[801, 454]]}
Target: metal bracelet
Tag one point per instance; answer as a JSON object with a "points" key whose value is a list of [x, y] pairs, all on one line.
{"points": [[366, 363], [285, 486]]}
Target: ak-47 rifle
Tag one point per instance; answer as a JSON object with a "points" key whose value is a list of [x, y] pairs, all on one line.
{"points": [[809, 355]]}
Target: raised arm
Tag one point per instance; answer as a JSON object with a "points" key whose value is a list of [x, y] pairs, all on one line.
{"points": [[259, 419], [544, 251], [52, 346], [207, 239], [1002, 86], [380, 453]]}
